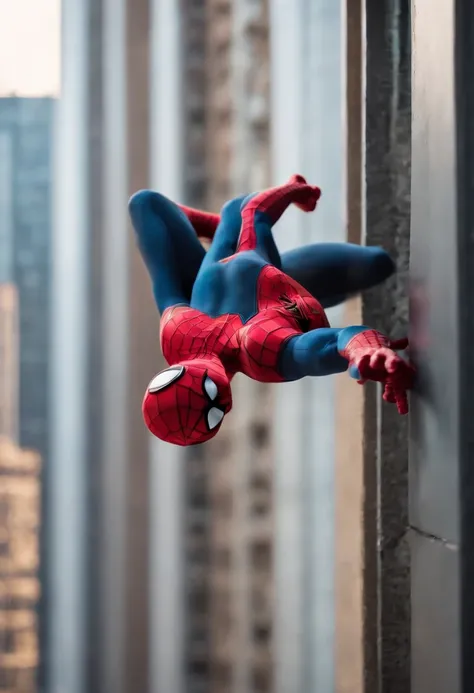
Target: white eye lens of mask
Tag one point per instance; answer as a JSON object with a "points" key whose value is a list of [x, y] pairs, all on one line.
{"points": [[211, 388], [165, 378], [214, 417]]}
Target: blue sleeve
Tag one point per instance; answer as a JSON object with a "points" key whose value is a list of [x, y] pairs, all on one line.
{"points": [[318, 353]]}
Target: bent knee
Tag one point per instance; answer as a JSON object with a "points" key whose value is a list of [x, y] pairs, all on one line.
{"points": [[142, 198], [147, 204], [140, 205], [231, 209], [231, 219], [381, 264]]}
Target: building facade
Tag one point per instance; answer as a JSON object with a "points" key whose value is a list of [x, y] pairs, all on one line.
{"points": [[26, 126], [239, 462], [26, 145], [20, 517]]}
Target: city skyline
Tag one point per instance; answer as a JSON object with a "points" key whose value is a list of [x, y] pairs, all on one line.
{"points": [[34, 24]]}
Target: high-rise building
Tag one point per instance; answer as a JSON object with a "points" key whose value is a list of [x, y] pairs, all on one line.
{"points": [[196, 516], [307, 136], [20, 504], [26, 127], [239, 460], [25, 226], [20, 518]]}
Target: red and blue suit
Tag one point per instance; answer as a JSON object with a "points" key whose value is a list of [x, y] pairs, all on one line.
{"points": [[241, 307]]}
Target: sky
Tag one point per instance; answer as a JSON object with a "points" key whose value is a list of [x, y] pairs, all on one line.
{"points": [[29, 47]]}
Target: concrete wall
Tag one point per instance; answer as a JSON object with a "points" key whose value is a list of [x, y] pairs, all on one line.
{"points": [[441, 509], [387, 223], [372, 567]]}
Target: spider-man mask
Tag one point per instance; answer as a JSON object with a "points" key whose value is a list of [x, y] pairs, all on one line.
{"points": [[186, 403]]}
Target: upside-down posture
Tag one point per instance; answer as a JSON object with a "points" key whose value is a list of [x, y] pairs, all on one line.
{"points": [[241, 307]]}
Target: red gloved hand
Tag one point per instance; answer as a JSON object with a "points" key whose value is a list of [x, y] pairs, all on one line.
{"points": [[374, 357]]}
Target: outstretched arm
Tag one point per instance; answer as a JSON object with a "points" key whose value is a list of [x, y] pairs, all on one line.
{"points": [[366, 353]]}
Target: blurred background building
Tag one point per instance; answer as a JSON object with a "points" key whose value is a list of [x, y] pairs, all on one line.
{"points": [[26, 137], [275, 558], [20, 504], [26, 130]]}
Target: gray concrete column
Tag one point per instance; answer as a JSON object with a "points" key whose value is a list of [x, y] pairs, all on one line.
{"points": [[129, 345], [386, 215], [66, 664], [166, 493], [114, 345], [372, 556]]}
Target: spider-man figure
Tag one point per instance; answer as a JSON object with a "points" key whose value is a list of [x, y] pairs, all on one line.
{"points": [[242, 307]]}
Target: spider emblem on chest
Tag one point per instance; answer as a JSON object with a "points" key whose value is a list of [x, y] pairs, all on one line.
{"points": [[304, 322]]}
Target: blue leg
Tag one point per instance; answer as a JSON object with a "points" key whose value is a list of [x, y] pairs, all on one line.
{"points": [[334, 271], [262, 229], [242, 272], [169, 246], [227, 233]]}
